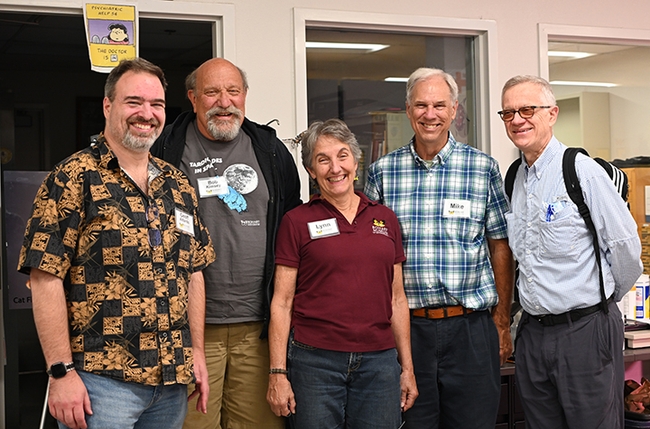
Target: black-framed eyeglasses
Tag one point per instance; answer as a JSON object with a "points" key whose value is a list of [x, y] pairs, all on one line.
{"points": [[525, 112], [155, 237]]}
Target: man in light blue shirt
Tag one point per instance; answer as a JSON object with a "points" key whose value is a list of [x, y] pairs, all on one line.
{"points": [[569, 360], [458, 274]]}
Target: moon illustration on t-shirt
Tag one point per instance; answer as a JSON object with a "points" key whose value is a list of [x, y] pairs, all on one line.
{"points": [[242, 178]]}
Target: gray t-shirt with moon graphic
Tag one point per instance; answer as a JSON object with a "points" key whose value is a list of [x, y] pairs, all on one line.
{"points": [[233, 200]]}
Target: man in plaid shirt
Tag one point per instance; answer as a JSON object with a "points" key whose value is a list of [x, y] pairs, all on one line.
{"points": [[458, 275]]}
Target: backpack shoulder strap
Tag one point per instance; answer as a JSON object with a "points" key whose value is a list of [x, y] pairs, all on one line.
{"points": [[571, 178], [575, 193], [509, 181]]}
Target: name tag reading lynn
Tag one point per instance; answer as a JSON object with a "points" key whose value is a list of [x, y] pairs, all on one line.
{"points": [[323, 228]]}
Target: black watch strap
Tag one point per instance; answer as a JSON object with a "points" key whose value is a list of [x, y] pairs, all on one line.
{"points": [[60, 369]]}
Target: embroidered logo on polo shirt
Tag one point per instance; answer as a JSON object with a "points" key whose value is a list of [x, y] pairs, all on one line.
{"points": [[379, 227]]}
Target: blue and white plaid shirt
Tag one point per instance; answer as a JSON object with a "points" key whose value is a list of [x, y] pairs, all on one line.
{"points": [[447, 258]]}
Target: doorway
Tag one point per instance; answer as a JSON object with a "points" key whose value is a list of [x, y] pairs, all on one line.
{"points": [[50, 104]]}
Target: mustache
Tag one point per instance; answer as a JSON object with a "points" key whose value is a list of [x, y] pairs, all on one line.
{"points": [[223, 111], [140, 119]]}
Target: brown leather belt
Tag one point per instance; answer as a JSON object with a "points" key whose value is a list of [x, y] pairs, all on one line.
{"points": [[442, 312]]}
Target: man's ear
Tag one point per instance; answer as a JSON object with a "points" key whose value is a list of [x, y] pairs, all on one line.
{"points": [[192, 98], [106, 106]]}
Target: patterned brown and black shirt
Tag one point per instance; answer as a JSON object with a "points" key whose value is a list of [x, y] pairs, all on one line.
{"points": [[125, 258]]}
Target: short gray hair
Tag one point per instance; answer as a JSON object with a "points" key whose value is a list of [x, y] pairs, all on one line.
{"points": [[543, 84], [333, 128], [424, 73]]}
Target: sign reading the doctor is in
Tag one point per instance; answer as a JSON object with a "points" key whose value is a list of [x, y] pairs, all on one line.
{"points": [[112, 34]]}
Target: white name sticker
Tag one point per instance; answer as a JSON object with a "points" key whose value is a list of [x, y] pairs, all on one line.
{"points": [[212, 186], [323, 228], [456, 208], [184, 221]]}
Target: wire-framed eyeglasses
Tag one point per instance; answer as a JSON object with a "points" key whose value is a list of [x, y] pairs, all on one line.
{"points": [[525, 112], [155, 237]]}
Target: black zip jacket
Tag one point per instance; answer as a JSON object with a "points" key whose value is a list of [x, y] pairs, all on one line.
{"points": [[279, 171]]}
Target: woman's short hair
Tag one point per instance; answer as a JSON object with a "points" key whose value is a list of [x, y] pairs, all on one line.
{"points": [[333, 128]]}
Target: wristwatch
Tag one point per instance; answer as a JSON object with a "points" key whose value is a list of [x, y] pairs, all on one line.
{"points": [[60, 369]]}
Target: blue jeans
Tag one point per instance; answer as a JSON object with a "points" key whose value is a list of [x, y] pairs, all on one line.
{"points": [[120, 405], [344, 390]]}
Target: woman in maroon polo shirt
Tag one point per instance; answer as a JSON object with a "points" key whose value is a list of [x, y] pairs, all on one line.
{"points": [[339, 330]]}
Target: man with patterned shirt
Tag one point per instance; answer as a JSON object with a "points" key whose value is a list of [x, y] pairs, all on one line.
{"points": [[114, 249], [458, 274]]}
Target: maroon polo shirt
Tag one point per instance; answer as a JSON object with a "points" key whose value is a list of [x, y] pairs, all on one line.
{"points": [[344, 286]]}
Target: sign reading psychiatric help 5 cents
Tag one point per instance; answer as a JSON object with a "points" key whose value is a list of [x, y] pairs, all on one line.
{"points": [[111, 32]]}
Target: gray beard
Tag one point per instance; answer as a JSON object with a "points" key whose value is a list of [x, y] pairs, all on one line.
{"points": [[138, 144], [221, 134]]}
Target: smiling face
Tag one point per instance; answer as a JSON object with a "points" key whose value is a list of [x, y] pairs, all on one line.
{"points": [[136, 115], [219, 100], [431, 112], [117, 35], [533, 134], [333, 167]]}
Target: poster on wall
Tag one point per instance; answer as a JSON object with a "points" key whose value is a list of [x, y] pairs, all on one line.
{"points": [[22, 186], [111, 33]]}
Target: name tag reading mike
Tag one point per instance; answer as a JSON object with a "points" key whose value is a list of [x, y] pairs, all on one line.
{"points": [[456, 208], [323, 228]]}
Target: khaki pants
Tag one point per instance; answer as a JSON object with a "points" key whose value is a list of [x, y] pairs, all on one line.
{"points": [[238, 368]]}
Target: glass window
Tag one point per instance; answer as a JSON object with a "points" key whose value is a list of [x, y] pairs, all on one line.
{"points": [[366, 85], [601, 90]]}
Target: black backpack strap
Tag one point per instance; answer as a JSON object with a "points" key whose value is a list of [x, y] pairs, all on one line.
{"points": [[509, 181], [508, 185], [575, 193]]}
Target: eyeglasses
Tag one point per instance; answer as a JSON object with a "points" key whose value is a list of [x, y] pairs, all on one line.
{"points": [[525, 112], [155, 238]]}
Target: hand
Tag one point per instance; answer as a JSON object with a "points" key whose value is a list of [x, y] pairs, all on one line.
{"points": [[409, 389], [69, 401], [201, 385], [280, 396], [505, 344]]}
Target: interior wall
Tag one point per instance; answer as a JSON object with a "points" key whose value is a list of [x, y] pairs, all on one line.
{"points": [[264, 42]]}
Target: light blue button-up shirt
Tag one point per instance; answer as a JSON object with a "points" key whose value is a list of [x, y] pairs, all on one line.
{"points": [[557, 265]]}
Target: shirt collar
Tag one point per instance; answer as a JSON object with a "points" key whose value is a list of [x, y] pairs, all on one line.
{"points": [[550, 151], [440, 158], [363, 202], [108, 160]]}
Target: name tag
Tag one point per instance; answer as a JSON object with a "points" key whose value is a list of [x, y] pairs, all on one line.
{"points": [[184, 221], [212, 186], [456, 208], [323, 228]]}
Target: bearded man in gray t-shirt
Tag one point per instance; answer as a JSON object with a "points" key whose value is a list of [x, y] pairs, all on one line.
{"points": [[246, 180]]}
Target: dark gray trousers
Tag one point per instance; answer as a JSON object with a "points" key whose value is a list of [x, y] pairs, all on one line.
{"points": [[571, 376]]}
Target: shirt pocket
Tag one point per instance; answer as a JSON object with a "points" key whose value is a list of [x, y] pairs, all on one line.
{"points": [[465, 231], [556, 237]]}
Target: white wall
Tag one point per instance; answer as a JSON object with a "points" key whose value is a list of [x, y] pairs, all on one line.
{"points": [[261, 41], [264, 41]]}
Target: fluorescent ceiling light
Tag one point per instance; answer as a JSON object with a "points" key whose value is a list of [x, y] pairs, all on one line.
{"points": [[370, 47], [578, 83], [567, 54], [396, 79]]}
